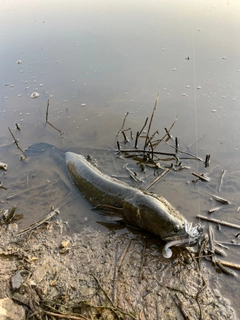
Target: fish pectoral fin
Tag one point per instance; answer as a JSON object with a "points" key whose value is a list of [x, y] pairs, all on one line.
{"points": [[111, 213]]}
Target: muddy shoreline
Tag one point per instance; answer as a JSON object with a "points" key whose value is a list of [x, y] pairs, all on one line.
{"points": [[95, 275]]}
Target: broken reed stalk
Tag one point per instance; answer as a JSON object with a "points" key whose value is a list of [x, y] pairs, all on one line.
{"points": [[150, 123], [200, 176], [207, 160], [136, 140], [124, 120], [61, 132], [16, 142], [169, 136], [176, 145], [222, 222], [157, 142], [163, 174]]}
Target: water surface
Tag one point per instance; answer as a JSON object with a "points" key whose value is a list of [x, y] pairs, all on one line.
{"points": [[97, 60]]}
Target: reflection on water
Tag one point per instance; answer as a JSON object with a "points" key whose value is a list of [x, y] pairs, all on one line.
{"points": [[96, 61]]}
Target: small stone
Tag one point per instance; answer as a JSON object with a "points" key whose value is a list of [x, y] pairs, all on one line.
{"points": [[10, 310], [17, 280]]}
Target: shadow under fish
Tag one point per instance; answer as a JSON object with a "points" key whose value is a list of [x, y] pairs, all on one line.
{"points": [[122, 202]]}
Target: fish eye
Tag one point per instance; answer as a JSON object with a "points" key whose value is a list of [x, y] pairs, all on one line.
{"points": [[176, 228]]}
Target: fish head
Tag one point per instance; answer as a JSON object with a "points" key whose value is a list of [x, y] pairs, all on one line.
{"points": [[157, 215]]}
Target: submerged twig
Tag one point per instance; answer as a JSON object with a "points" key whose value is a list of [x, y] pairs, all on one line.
{"points": [[38, 223], [16, 142], [61, 132], [221, 180]]}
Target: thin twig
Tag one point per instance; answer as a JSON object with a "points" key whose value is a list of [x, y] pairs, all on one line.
{"points": [[142, 261], [140, 132], [224, 223], [61, 132], [124, 254], [197, 298], [16, 142], [184, 152], [106, 294], [136, 140], [64, 315], [113, 309], [115, 276], [201, 176], [169, 136], [147, 151], [150, 123], [165, 172], [178, 302], [122, 124], [38, 223]]}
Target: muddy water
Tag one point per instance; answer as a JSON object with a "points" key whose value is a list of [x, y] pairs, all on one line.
{"points": [[96, 61]]}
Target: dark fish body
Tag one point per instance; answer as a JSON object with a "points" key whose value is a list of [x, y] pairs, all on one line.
{"points": [[135, 207]]}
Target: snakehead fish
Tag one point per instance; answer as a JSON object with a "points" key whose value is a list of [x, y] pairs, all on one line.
{"points": [[135, 207]]}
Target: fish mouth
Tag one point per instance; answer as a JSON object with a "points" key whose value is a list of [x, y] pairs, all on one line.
{"points": [[190, 237]]}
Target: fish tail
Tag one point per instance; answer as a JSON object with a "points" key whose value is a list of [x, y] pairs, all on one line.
{"points": [[46, 149]]}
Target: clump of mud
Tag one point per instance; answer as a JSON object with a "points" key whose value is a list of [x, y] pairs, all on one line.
{"points": [[97, 275]]}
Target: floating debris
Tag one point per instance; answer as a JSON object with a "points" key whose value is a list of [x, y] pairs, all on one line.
{"points": [[18, 61], [214, 209], [3, 166], [221, 200], [34, 95]]}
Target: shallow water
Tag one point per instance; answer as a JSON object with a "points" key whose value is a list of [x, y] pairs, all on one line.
{"points": [[96, 61]]}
